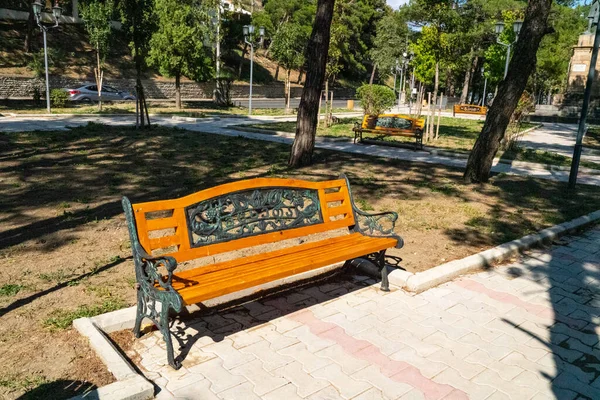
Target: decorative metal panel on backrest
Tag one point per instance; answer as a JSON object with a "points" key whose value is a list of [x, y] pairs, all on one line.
{"points": [[251, 212]]}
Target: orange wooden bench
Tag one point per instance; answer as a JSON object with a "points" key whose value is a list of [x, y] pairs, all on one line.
{"points": [[469, 109], [239, 215], [391, 125]]}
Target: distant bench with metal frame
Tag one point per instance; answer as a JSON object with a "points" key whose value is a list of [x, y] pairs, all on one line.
{"points": [[237, 216], [469, 109], [391, 125]]}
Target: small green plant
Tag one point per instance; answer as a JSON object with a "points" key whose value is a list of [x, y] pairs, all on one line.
{"points": [[62, 319], [58, 97], [36, 93], [36, 64], [364, 205], [375, 99], [10, 289]]}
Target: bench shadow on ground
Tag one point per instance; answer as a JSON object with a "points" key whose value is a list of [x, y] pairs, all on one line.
{"points": [[222, 321], [60, 389]]}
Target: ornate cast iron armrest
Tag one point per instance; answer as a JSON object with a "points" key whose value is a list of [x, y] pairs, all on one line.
{"points": [[150, 269], [372, 224]]}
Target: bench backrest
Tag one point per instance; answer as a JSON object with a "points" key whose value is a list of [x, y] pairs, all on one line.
{"points": [[470, 109], [392, 122], [242, 214]]}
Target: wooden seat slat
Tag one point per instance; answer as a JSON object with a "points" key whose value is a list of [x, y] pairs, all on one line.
{"points": [[191, 274], [228, 284], [164, 242], [184, 279]]}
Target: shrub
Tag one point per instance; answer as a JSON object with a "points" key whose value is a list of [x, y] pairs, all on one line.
{"points": [[58, 97], [375, 99], [37, 95]]}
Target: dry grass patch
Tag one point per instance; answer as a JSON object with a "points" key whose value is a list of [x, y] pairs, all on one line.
{"points": [[65, 247]]}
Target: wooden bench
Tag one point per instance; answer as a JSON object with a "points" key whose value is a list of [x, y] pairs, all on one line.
{"points": [[469, 109], [236, 216], [391, 125]]}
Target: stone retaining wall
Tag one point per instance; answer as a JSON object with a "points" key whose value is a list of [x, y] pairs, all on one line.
{"points": [[18, 87]]}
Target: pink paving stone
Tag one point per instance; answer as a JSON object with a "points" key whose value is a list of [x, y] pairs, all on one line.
{"points": [[508, 298], [398, 371]]}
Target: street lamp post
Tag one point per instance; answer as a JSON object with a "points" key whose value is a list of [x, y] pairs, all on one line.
{"points": [[499, 29], [57, 12], [484, 87], [593, 17], [249, 40]]}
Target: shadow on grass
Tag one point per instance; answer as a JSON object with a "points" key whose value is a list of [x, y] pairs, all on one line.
{"points": [[26, 300]]}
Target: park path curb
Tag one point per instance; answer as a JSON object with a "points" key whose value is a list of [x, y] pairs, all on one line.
{"points": [[422, 281]]}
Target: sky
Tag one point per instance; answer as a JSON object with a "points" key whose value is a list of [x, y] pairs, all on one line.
{"points": [[396, 3]]}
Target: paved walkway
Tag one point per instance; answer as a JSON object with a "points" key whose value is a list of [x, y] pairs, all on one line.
{"points": [[223, 126], [528, 330], [557, 138]]}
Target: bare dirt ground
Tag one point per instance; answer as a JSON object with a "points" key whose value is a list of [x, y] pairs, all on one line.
{"points": [[65, 249]]}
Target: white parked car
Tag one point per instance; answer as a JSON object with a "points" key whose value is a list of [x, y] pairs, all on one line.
{"points": [[89, 93]]}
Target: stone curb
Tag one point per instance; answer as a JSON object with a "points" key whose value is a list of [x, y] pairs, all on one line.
{"points": [[129, 385], [422, 281]]}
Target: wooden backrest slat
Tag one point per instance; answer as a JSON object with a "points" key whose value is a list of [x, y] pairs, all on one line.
{"points": [[161, 223], [164, 242], [333, 197]]}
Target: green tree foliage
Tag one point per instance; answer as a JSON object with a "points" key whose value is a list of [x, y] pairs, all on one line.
{"points": [[554, 53], [288, 50], [375, 99], [390, 42], [97, 16], [138, 24], [178, 48]]}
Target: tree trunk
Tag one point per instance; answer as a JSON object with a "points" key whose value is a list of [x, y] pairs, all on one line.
{"points": [[300, 73], [245, 49], [178, 91], [373, 74], [287, 91], [30, 27], [277, 73], [316, 60], [535, 27], [434, 98], [467, 81]]}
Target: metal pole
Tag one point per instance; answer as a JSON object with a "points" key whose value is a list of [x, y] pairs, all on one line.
{"points": [[251, 72], [507, 60], [47, 81], [484, 92], [218, 47], [400, 90], [584, 112]]}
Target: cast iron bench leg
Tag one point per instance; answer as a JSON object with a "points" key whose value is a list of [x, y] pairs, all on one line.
{"points": [[385, 284]]}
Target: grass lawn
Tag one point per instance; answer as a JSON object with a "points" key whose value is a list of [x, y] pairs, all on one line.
{"points": [[455, 133], [544, 157], [592, 139], [193, 109], [66, 251]]}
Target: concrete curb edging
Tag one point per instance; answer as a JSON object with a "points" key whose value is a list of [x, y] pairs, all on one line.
{"points": [[422, 281], [129, 385]]}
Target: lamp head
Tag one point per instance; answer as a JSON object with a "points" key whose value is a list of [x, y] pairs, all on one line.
{"points": [[37, 7], [261, 31], [517, 26], [251, 29], [246, 30], [499, 27], [57, 11]]}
